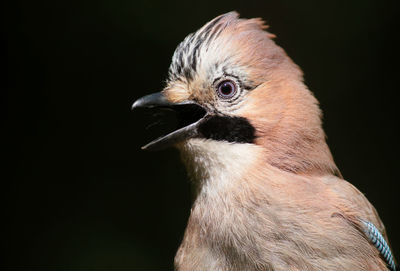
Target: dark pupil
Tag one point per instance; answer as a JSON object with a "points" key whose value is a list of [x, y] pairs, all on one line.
{"points": [[226, 88]]}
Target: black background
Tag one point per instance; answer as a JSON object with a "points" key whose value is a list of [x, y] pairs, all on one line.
{"points": [[80, 194]]}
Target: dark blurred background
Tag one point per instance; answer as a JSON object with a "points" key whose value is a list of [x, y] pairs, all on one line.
{"points": [[79, 194]]}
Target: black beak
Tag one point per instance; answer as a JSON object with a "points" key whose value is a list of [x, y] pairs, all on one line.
{"points": [[190, 116], [152, 101]]}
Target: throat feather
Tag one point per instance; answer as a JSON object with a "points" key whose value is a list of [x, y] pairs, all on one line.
{"points": [[214, 165]]}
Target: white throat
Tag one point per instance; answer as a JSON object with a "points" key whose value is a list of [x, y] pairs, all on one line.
{"points": [[215, 165]]}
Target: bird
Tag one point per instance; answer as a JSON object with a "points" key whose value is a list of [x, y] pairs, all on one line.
{"points": [[268, 194]]}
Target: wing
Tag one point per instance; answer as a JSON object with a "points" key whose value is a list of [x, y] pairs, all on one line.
{"points": [[379, 242], [365, 218]]}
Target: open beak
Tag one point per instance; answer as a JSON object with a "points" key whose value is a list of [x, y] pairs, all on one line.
{"points": [[190, 116]]}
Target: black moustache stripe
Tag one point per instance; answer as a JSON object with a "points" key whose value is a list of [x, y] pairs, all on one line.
{"points": [[225, 128]]}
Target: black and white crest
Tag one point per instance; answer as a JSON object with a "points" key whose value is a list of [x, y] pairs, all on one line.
{"points": [[187, 56]]}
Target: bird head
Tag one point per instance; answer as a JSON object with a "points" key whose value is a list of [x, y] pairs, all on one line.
{"points": [[237, 93]]}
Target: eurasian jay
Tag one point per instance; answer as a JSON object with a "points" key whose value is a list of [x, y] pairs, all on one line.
{"points": [[269, 195]]}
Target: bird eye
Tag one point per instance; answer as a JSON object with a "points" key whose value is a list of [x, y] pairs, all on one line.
{"points": [[226, 89]]}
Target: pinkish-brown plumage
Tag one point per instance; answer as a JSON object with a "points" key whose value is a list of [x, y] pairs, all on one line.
{"points": [[275, 202]]}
